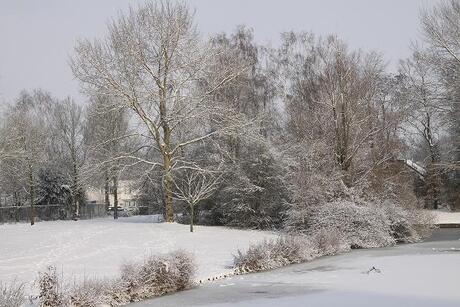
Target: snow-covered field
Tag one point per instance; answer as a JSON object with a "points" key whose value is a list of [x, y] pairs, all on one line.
{"points": [[97, 248]]}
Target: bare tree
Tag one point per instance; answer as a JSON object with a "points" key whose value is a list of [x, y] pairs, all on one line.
{"points": [[333, 100], [441, 31], [195, 185], [152, 61], [424, 113], [106, 136], [67, 123], [441, 28], [26, 144]]}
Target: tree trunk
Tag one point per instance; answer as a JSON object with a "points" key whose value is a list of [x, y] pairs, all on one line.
{"points": [[32, 196], [166, 145], [106, 192], [16, 204], [191, 217], [76, 204], [433, 175], [115, 197], [168, 186]]}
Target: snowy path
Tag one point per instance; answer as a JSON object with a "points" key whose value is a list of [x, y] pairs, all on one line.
{"points": [[446, 217], [97, 248], [416, 275]]}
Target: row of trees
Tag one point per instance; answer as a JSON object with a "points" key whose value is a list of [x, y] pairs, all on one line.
{"points": [[52, 149], [253, 134]]}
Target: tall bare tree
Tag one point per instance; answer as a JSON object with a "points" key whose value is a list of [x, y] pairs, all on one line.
{"points": [[441, 33], [332, 100], [152, 61], [67, 121], [424, 114], [106, 135], [26, 144]]}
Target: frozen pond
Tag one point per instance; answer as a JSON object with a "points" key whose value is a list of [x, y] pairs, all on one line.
{"points": [[423, 274]]}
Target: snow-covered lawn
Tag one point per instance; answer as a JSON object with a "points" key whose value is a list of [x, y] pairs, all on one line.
{"points": [[97, 248], [446, 217]]}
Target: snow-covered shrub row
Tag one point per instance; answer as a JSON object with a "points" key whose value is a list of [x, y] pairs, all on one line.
{"points": [[335, 227], [284, 250], [94, 293], [363, 224], [155, 276], [11, 295], [272, 254]]}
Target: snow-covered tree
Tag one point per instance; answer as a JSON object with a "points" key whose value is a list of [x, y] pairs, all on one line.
{"points": [[106, 139], [67, 122], [195, 185], [26, 145], [152, 62]]}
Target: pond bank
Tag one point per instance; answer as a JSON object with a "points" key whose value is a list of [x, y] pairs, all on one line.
{"points": [[423, 275]]}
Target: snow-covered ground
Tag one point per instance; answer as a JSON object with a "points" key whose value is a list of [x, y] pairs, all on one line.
{"points": [[413, 275], [97, 248], [446, 217]]}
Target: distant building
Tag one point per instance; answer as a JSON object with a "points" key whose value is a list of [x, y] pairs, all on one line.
{"points": [[127, 194]]}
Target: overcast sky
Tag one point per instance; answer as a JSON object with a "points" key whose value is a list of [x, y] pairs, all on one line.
{"points": [[37, 36]]}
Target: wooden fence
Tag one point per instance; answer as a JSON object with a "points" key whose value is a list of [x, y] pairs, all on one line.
{"points": [[49, 212]]}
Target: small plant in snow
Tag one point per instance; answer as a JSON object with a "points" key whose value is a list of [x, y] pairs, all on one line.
{"points": [[50, 287], [11, 295]]}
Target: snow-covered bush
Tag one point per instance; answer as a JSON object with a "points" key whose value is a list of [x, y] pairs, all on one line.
{"points": [[253, 192], [158, 275], [407, 224], [312, 188], [359, 225], [155, 276], [272, 254], [333, 228], [11, 295], [94, 293], [327, 242], [51, 289]]}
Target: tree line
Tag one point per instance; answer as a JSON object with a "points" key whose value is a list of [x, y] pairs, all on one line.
{"points": [[231, 132]]}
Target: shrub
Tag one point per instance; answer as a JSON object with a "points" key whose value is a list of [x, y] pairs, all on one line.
{"points": [[158, 275], [408, 225], [11, 295], [271, 254], [94, 293], [359, 225], [155, 276], [275, 253], [51, 289], [327, 243]]}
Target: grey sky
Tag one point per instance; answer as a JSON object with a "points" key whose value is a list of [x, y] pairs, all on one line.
{"points": [[37, 36]]}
